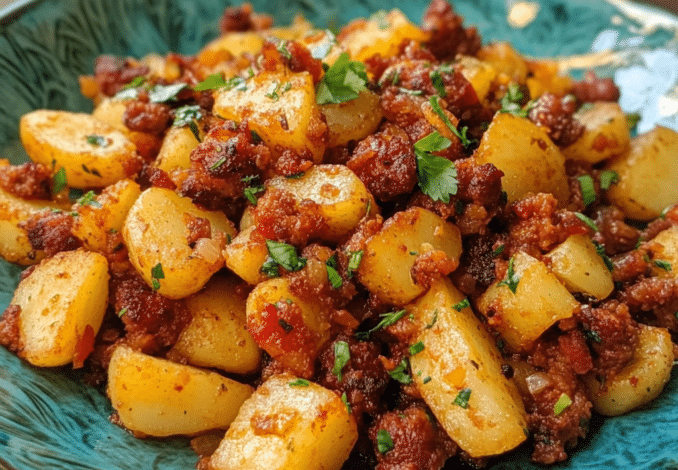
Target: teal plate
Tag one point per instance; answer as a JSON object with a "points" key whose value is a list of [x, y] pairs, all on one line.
{"points": [[50, 420]]}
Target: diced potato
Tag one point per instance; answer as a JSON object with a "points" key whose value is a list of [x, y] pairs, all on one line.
{"points": [[640, 381], [390, 255], [352, 120], [459, 354], [606, 134], [531, 162], [245, 255], [286, 427], [156, 397], [342, 197], [577, 264], [105, 215], [159, 66], [230, 45], [323, 45], [62, 306], [647, 175], [480, 74], [156, 233], [217, 335], [506, 61], [14, 244], [176, 149], [381, 34], [280, 106], [540, 300], [302, 333], [545, 76], [92, 153], [298, 29], [665, 248]]}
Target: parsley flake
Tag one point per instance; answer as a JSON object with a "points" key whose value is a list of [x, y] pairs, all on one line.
{"points": [[387, 319], [384, 441], [510, 102], [97, 140], [285, 255], [299, 383], [157, 274], [461, 305], [332, 274], [435, 104], [186, 114], [60, 182], [342, 82], [416, 348], [662, 264], [342, 355], [512, 279], [462, 398], [400, 372], [122, 312], [433, 320], [600, 249], [589, 223], [562, 404], [437, 81], [344, 400], [89, 199], [588, 191], [607, 179], [437, 176], [499, 250], [354, 262]]}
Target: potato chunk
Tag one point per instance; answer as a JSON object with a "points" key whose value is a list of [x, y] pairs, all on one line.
{"points": [[577, 264], [665, 248], [459, 355], [281, 108], [642, 380], [217, 335], [62, 306], [288, 427], [176, 149], [245, 255], [539, 301], [647, 175], [92, 153], [606, 134], [391, 254], [342, 197], [158, 232], [352, 120], [105, 214], [156, 397], [531, 162]]}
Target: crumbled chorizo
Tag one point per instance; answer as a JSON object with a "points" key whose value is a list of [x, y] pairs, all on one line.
{"points": [[243, 18], [112, 73], [51, 232], [27, 181], [556, 116], [153, 118], [593, 88], [448, 36]]}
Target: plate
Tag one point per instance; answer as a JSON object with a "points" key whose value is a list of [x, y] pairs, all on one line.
{"points": [[48, 419]]}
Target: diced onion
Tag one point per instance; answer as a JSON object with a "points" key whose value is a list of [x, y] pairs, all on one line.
{"points": [[207, 249], [537, 382]]}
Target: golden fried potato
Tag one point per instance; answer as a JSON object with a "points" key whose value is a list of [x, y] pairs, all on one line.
{"points": [[606, 134]]}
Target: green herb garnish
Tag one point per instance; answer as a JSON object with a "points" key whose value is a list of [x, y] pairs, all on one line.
{"points": [[285, 255], [299, 383], [342, 355], [384, 441], [462, 398], [342, 82], [512, 278], [607, 179], [157, 274], [562, 404], [588, 191]]}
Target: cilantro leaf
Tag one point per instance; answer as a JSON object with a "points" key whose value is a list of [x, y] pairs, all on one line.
{"points": [[163, 93], [459, 306], [400, 372], [344, 400], [387, 319], [299, 383], [588, 191], [590, 223], [354, 262], [384, 441], [342, 355], [510, 102], [342, 82], [435, 104], [186, 114], [97, 140], [285, 255], [512, 278], [332, 274], [216, 80], [462, 398], [60, 182], [600, 249], [156, 274], [608, 178], [416, 348], [437, 176], [89, 199]]}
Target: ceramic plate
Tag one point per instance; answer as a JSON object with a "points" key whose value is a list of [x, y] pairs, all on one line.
{"points": [[49, 420]]}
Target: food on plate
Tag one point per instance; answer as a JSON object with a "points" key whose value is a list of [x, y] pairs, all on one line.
{"points": [[385, 247]]}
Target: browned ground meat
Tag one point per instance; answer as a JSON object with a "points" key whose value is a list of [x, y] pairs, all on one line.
{"points": [[293, 55], [385, 163], [448, 36], [656, 298], [197, 228], [243, 18], [51, 232], [152, 176], [418, 441], [431, 266], [10, 336], [612, 335], [27, 181], [112, 73], [152, 322], [279, 217], [593, 89], [363, 378], [141, 116], [537, 225], [554, 433], [555, 115]]}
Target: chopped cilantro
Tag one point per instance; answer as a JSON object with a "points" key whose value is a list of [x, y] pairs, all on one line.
{"points": [[217, 164], [164, 93], [299, 383], [59, 181], [592, 335], [588, 191], [589, 223], [499, 250], [270, 268], [400, 372], [600, 249], [135, 83], [156, 274], [295, 176], [462, 398], [216, 80], [344, 400], [97, 140], [321, 50], [437, 176], [562, 404], [332, 274], [127, 94], [426, 380], [435, 104], [510, 103], [272, 91], [354, 262], [384, 441], [122, 312], [433, 320], [607, 179], [387, 319], [186, 114], [285, 255], [512, 278], [662, 264], [282, 48], [342, 82], [462, 305], [407, 91], [416, 348], [89, 199], [251, 192], [437, 81], [342, 355]]}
